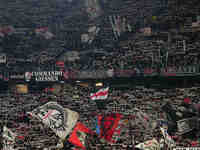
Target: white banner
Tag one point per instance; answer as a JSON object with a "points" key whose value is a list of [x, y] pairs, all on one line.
{"points": [[44, 75], [60, 120]]}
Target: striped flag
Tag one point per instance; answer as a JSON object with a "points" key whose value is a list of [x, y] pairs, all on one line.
{"points": [[101, 94]]}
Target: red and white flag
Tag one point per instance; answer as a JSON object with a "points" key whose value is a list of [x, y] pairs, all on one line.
{"points": [[109, 127], [101, 94], [78, 135]]}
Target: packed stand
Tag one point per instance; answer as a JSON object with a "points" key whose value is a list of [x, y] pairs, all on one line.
{"points": [[98, 34], [166, 106]]}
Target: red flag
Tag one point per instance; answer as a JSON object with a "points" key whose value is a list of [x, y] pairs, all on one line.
{"points": [[78, 135], [108, 125]]}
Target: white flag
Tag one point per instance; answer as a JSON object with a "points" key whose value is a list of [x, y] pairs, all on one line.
{"points": [[60, 120], [101, 94]]}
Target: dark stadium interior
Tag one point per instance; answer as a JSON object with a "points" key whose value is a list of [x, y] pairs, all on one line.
{"points": [[99, 74]]}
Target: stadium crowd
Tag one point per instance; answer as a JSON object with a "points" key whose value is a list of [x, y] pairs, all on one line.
{"points": [[163, 105], [107, 38], [102, 39]]}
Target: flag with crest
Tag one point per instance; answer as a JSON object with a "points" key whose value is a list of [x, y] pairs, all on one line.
{"points": [[60, 120]]}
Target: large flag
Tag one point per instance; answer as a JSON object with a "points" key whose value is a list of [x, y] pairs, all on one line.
{"points": [[78, 136], [60, 120], [101, 94], [44, 32], [108, 125], [8, 139], [149, 145]]}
